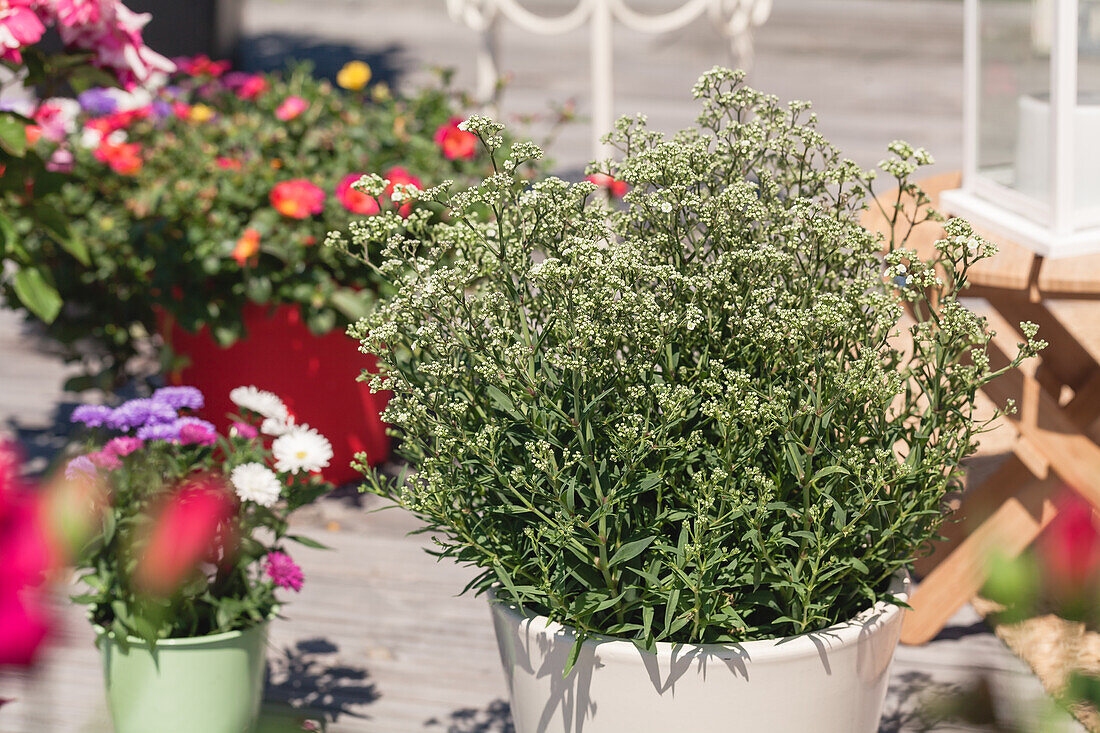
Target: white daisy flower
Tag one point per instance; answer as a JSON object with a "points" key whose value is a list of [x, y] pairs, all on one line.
{"points": [[259, 401], [257, 483], [301, 449], [275, 426]]}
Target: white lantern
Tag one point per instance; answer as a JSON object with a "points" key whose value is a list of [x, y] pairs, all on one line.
{"points": [[1031, 119]]}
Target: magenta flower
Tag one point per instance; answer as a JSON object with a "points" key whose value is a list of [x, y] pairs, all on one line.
{"points": [[283, 571], [197, 434], [244, 430]]}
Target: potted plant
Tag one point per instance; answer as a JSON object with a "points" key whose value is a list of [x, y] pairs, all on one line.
{"points": [[203, 204], [689, 444], [182, 576]]}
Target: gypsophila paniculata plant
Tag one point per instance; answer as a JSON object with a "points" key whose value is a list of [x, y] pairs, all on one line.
{"points": [[700, 417]]}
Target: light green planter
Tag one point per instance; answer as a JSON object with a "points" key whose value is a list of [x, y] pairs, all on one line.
{"points": [[205, 684]]}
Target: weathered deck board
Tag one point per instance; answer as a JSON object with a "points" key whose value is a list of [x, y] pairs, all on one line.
{"points": [[377, 636]]}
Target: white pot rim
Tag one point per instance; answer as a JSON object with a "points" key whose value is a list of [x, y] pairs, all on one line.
{"points": [[809, 644]]}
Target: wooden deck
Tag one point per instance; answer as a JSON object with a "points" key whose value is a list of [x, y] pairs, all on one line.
{"points": [[377, 639]]}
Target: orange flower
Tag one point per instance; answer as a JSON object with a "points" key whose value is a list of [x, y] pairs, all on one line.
{"points": [[228, 164], [297, 198], [354, 201], [34, 133], [397, 175], [614, 187], [124, 158], [247, 247], [456, 144]]}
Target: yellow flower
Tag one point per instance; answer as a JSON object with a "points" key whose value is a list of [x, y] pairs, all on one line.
{"points": [[201, 113], [354, 75]]}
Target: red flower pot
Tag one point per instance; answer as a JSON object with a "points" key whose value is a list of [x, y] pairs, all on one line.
{"points": [[314, 375]]}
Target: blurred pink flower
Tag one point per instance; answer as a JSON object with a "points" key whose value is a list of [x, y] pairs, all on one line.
{"points": [[123, 445], [291, 107]]}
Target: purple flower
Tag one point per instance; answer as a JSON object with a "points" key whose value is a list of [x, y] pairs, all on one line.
{"points": [[92, 415], [141, 412], [167, 431], [80, 466], [196, 429], [97, 101], [180, 397], [283, 571], [161, 109]]}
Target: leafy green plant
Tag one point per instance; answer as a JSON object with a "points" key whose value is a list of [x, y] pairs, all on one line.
{"points": [[699, 417], [215, 192]]}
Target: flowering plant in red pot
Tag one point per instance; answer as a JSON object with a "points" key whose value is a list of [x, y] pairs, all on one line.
{"points": [[193, 549]]}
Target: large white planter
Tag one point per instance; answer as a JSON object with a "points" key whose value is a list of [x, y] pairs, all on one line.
{"points": [[829, 681]]}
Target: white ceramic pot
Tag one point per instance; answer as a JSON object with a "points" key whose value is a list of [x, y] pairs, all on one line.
{"points": [[829, 681]]}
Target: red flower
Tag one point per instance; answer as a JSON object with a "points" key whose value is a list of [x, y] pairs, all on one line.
{"points": [[1069, 549], [193, 526], [228, 164], [247, 247], [354, 201], [201, 65], [124, 158], [291, 107], [297, 198], [616, 188], [251, 87], [456, 144], [397, 175]]}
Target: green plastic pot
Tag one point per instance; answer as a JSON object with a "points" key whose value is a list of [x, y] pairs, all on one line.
{"points": [[204, 684]]}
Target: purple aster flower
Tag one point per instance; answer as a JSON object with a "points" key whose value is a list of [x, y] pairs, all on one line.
{"points": [[92, 415], [180, 397], [97, 101], [164, 431], [80, 466], [140, 412], [283, 571]]}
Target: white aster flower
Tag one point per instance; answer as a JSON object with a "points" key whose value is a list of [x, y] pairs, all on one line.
{"points": [[275, 426], [260, 401], [256, 482], [301, 449]]}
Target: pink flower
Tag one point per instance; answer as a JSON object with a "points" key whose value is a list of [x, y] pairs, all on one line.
{"points": [[193, 526], [291, 107], [243, 430], [246, 86], [1069, 549], [196, 434], [297, 198], [123, 445], [456, 144], [397, 175], [19, 27], [354, 201], [105, 459], [112, 32], [283, 571], [614, 187]]}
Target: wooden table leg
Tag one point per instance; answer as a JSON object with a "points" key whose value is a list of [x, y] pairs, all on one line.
{"points": [[1025, 511], [1026, 507]]}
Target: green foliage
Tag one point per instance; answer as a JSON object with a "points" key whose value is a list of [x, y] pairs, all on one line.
{"points": [[691, 419]]}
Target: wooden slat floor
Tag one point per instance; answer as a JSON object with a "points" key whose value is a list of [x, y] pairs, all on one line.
{"points": [[377, 639]]}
